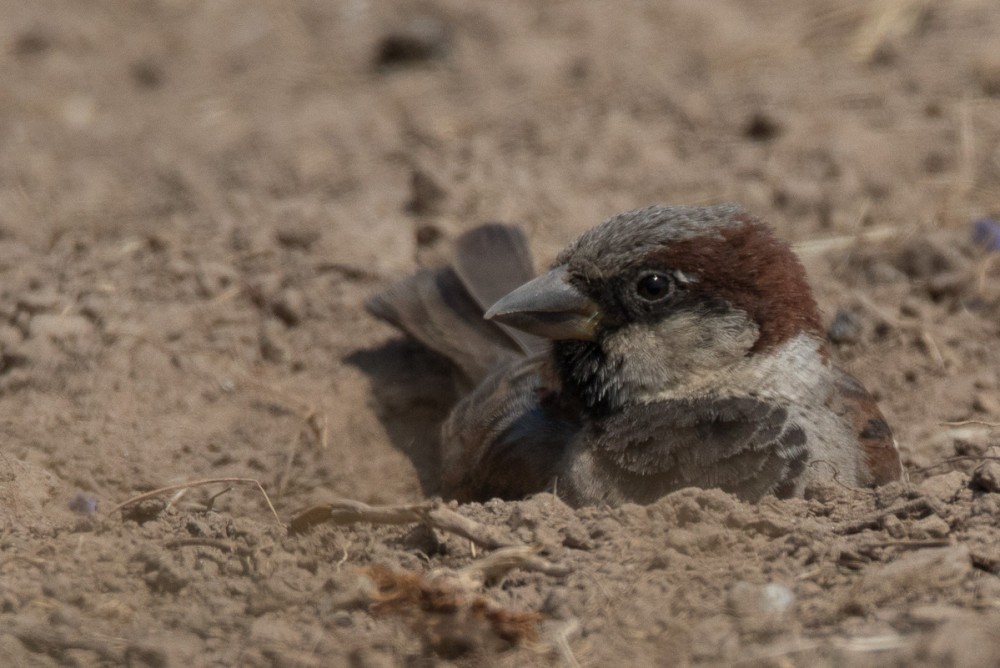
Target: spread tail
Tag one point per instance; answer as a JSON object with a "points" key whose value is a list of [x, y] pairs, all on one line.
{"points": [[443, 308]]}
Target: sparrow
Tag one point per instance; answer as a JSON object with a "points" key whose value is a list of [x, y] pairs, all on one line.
{"points": [[668, 347]]}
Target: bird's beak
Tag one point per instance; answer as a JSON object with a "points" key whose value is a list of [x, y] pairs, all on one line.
{"points": [[548, 306]]}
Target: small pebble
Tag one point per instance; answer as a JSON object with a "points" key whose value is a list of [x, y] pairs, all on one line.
{"points": [[428, 234], [289, 306], [912, 308], [947, 284], [932, 614], [845, 328], [147, 74], [986, 233], [760, 608], [271, 339], [9, 337], [777, 597], [39, 301], [264, 288], [426, 193], [985, 381], [423, 39], [214, 277], [986, 402], [893, 526], [987, 74], [925, 257], [917, 573], [59, 327], [31, 43], [881, 272], [761, 127], [986, 477], [930, 527], [301, 237], [943, 487], [85, 504]]}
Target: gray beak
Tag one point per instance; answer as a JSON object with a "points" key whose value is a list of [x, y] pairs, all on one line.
{"points": [[548, 306]]}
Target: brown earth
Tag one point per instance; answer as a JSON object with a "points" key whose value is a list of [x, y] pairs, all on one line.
{"points": [[196, 198]]}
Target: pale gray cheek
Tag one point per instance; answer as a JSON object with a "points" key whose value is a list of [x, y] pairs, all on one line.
{"points": [[676, 351]]}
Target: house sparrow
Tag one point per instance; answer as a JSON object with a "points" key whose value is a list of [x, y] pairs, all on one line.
{"points": [[668, 347]]}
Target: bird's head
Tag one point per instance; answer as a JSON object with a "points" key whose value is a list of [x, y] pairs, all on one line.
{"points": [[653, 300]]}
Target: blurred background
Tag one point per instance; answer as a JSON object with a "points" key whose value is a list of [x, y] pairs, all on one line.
{"points": [[192, 117]]}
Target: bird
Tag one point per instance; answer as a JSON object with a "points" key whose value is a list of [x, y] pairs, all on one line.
{"points": [[667, 347]]}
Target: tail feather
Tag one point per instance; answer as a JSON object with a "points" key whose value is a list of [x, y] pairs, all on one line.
{"points": [[443, 308], [491, 260]]}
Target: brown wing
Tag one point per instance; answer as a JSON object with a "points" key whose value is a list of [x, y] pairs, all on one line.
{"points": [[852, 402], [500, 441]]}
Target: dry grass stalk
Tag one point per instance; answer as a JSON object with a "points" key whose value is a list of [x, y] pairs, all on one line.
{"points": [[885, 22], [199, 483], [921, 506], [848, 241], [504, 560], [962, 423], [346, 511]]}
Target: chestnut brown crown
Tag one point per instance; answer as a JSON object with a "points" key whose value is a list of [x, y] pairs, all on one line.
{"points": [[644, 264]]}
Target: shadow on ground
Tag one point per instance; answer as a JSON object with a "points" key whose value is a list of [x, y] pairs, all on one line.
{"points": [[413, 390]]}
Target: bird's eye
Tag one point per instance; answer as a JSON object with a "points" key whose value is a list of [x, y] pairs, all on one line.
{"points": [[654, 287]]}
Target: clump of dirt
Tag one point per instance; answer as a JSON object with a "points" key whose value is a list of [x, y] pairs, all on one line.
{"points": [[196, 200]]}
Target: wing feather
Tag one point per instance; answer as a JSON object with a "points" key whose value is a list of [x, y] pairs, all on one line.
{"points": [[744, 445]]}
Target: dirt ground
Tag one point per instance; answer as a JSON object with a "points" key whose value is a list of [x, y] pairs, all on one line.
{"points": [[196, 199]]}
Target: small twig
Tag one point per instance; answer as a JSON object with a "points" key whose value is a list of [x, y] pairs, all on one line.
{"points": [[871, 643], [346, 511], [962, 423], [921, 505], [176, 498], [984, 561], [317, 422], [770, 655], [983, 270], [884, 22], [211, 500], [286, 473], [847, 241], [450, 521], [225, 546], [56, 643], [507, 559], [562, 636], [959, 458], [932, 348], [199, 483], [909, 544]]}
